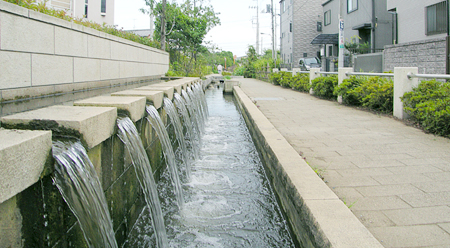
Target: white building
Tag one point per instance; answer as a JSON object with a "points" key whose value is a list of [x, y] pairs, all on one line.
{"points": [[99, 11]]}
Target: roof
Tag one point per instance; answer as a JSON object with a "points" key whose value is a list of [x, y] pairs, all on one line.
{"points": [[325, 39]]}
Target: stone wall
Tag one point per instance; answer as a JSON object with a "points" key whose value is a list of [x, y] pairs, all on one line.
{"points": [[427, 55], [41, 51], [32, 211]]}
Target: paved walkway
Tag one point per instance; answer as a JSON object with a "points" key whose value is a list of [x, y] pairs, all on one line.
{"points": [[394, 178]]}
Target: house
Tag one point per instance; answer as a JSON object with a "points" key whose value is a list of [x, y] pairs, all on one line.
{"points": [[367, 28], [419, 40], [97, 11], [300, 22]]}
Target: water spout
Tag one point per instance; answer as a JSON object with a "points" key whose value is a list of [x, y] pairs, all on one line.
{"points": [[192, 133], [80, 187], [171, 111], [155, 121], [130, 137]]}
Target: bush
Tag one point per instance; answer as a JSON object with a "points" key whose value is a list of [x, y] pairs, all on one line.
{"points": [[225, 73], [239, 71], [429, 106], [300, 82], [286, 78], [275, 78], [347, 90], [324, 86]]}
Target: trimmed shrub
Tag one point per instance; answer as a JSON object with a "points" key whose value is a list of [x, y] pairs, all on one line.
{"points": [[275, 78], [347, 90], [324, 86], [429, 106], [286, 78], [300, 82]]}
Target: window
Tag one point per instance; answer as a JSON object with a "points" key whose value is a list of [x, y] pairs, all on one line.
{"points": [[319, 26], [290, 27], [436, 18], [352, 5], [284, 6], [327, 17], [86, 8], [103, 7]]}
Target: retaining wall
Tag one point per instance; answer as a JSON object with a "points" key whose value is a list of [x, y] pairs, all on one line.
{"points": [[427, 55], [47, 55], [32, 211]]}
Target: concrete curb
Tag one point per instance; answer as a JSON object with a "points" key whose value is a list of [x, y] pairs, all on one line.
{"points": [[317, 217]]}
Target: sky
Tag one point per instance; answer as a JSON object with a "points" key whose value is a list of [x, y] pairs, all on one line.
{"points": [[236, 32]]}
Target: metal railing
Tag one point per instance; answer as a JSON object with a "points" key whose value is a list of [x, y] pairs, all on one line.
{"points": [[327, 72], [374, 74], [429, 76]]}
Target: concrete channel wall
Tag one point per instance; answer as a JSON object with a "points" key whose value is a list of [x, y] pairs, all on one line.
{"points": [[43, 55], [318, 218], [32, 211]]}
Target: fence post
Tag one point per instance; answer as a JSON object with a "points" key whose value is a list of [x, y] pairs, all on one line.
{"points": [[341, 77], [284, 69], [403, 84], [275, 70], [313, 75], [295, 71]]}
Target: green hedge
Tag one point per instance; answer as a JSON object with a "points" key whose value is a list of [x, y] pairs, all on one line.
{"points": [[298, 82], [324, 86], [429, 106], [371, 92]]}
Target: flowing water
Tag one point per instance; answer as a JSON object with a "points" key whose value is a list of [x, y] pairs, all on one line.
{"points": [[173, 115], [80, 187], [130, 137], [156, 122], [229, 201], [191, 134]]}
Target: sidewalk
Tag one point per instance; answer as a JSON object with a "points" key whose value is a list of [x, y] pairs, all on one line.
{"points": [[394, 178]]}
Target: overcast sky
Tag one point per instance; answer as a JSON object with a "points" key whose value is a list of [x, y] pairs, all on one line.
{"points": [[235, 33]]}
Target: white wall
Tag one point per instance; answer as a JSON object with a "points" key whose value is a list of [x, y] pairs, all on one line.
{"points": [[40, 50], [411, 19]]}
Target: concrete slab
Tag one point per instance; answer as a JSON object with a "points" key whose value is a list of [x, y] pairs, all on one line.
{"points": [[133, 107], [168, 90], [155, 97], [92, 124], [23, 156]]}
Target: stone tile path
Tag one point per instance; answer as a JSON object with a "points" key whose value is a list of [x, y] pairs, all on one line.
{"points": [[394, 178]]}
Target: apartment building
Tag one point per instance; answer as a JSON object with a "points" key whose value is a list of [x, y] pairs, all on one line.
{"points": [[99, 11], [300, 22]]}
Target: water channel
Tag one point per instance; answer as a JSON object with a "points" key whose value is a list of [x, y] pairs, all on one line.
{"points": [[228, 201]]}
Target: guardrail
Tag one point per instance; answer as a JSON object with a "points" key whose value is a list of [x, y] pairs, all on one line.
{"points": [[405, 79]]}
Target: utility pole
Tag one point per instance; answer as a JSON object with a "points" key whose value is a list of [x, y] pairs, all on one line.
{"points": [[273, 32], [257, 26], [341, 37]]}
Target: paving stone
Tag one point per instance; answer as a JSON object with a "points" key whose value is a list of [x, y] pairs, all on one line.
{"points": [[434, 186], [418, 169], [419, 216], [411, 236], [427, 199], [388, 190], [351, 181], [364, 172], [379, 203], [373, 218], [401, 178]]}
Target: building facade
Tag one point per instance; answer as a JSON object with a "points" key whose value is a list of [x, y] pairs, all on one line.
{"points": [[99, 11], [300, 22]]}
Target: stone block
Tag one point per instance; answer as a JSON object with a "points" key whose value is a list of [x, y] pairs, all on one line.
{"points": [[155, 97], [13, 9], [86, 70], [168, 90], [23, 155], [68, 42], [10, 223], [49, 19], [26, 92], [403, 84], [98, 47], [92, 124], [15, 70], [412, 236], [51, 69], [23, 34], [118, 51], [133, 107], [228, 87]]}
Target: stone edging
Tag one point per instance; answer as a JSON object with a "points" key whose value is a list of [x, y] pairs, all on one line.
{"points": [[316, 215]]}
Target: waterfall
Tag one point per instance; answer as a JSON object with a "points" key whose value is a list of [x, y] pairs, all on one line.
{"points": [[202, 100], [156, 122], [192, 133], [171, 111], [193, 111], [130, 137], [80, 187]]}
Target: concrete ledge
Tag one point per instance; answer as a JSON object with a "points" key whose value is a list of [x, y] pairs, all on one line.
{"points": [[23, 156], [91, 124], [155, 97], [133, 107], [317, 216], [168, 90]]}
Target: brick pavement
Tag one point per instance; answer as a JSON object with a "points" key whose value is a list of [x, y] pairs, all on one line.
{"points": [[394, 178]]}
